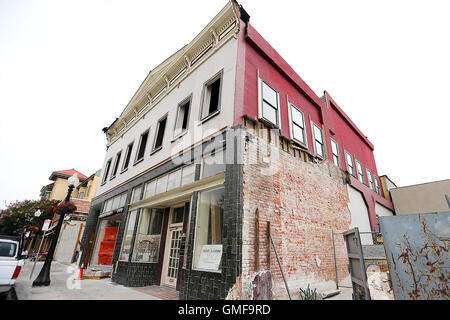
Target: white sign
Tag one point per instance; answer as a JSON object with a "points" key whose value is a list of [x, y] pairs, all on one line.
{"points": [[210, 257], [46, 224]]}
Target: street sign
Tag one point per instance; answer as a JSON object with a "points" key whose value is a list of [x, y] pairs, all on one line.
{"points": [[46, 224]]}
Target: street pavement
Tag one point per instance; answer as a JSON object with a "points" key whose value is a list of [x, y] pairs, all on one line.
{"points": [[63, 286]]}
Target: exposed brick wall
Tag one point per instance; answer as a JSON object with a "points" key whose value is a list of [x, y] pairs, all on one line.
{"points": [[83, 206], [304, 202]]}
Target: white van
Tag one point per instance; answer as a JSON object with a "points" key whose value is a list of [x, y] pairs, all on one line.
{"points": [[11, 262]]}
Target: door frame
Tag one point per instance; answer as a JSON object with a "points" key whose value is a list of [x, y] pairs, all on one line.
{"points": [[168, 239]]}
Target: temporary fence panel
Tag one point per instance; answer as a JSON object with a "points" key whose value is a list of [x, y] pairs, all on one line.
{"points": [[417, 247]]}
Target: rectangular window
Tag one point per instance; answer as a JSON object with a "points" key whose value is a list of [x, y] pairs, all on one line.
{"points": [[360, 171], [369, 178], [150, 189], [318, 141], [350, 166], [208, 235], [129, 230], [182, 120], [116, 164], [88, 191], [81, 195], [7, 249], [105, 175], [114, 203], [188, 174], [270, 104], [213, 164], [136, 194], [377, 185], [142, 145], [148, 235], [335, 149], [212, 96], [160, 133], [298, 124], [126, 162]]}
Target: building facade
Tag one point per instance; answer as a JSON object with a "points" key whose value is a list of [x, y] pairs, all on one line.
{"points": [[222, 143]]}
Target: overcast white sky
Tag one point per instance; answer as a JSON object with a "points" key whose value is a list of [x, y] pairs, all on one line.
{"points": [[68, 68]]}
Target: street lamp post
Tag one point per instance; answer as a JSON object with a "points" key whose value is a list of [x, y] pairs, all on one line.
{"points": [[43, 278]]}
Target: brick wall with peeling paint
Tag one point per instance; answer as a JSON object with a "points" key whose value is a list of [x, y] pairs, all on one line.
{"points": [[304, 202]]}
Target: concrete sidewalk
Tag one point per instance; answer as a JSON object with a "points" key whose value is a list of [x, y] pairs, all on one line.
{"points": [[63, 286]]}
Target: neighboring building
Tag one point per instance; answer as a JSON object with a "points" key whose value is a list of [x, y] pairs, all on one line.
{"points": [[86, 189], [386, 186], [68, 241], [219, 140], [422, 198]]}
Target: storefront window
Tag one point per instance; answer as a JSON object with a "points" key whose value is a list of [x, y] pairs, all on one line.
{"points": [[114, 203], [208, 236], [213, 164], [188, 174], [161, 185], [126, 244], [106, 240], [136, 195], [174, 180], [150, 189], [146, 247]]}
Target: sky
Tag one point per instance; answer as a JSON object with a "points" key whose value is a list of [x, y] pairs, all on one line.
{"points": [[69, 68]]}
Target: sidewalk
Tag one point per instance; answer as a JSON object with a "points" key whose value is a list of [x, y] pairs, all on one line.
{"points": [[64, 287]]}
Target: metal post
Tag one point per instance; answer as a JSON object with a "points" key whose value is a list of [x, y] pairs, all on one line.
{"points": [[335, 264], [279, 263], [43, 278]]}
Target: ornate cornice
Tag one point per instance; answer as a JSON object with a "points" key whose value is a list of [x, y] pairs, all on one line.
{"points": [[161, 80]]}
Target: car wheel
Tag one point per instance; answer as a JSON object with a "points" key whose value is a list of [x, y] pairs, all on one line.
{"points": [[11, 294]]}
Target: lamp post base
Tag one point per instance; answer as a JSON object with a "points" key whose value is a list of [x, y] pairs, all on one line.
{"points": [[43, 278]]}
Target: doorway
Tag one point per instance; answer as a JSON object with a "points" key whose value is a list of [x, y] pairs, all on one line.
{"points": [[172, 250]]}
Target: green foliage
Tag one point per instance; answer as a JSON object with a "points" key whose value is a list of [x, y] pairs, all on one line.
{"points": [[308, 294], [14, 218]]}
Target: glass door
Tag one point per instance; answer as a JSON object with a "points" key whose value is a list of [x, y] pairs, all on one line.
{"points": [[172, 254]]}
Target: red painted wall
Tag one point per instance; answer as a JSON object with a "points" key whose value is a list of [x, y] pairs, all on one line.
{"points": [[255, 54]]}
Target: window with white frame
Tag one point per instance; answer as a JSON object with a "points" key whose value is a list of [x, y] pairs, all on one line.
{"points": [[211, 96], [318, 141], [81, 195], [172, 180], [148, 235], [360, 171], [142, 145], [269, 104], [377, 184], [298, 124], [213, 164], [136, 194], [116, 164], [128, 236], [335, 150], [349, 161], [370, 179], [126, 161], [115, 202], [160, 133], [208, 231], [105, 175], [182, 120]]}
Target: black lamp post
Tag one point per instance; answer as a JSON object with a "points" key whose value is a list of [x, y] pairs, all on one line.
{"points": [[43, 278]]}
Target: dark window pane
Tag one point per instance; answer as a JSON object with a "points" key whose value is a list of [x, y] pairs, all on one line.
{"points": [[127, 156], [142, 146], [186, 115], [269, 113], [160, 133], [214, 100]]}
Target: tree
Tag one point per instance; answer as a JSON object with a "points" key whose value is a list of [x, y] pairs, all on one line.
{"points": [[18, 215]]}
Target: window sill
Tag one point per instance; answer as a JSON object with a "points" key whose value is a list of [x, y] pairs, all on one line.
{"points": [[138, 161], [269, 123], [212, 115], [300, 144], [124, 170], [155, 150], [178, 136], [112, 178]]}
